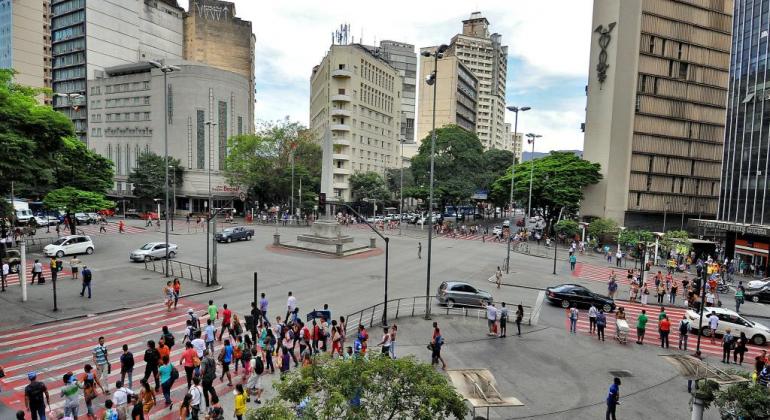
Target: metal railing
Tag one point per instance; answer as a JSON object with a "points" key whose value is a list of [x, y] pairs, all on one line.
{"points": [[178, 269], [407, 307]]}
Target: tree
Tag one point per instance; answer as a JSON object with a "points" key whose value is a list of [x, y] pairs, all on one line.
{"points": [[457, 163], [558, 181], [744, 400], [603, 229], [496, 163], [375, 388], [76, 166], [393, 180], [74, 200], [568, 228], [150, 173], [631, 237], [676, 240], [368, 185]]}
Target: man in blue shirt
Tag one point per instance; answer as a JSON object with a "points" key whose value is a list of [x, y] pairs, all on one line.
{"points": [[613, 399], [209, 335], [226, 360]]}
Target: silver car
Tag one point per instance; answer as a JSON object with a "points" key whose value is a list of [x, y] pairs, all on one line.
{"points": [[451, 293], [153, 251]]}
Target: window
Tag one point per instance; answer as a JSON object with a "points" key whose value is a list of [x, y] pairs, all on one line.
{"points": [[683, 70]]}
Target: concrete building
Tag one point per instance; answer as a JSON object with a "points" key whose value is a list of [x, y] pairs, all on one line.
{"points": [[655, 118], [127, 119], [25, 41], [403, 58], [90, 35], [457, 95], [515, 141], [486, 57], [213, 35], [356, 95]]}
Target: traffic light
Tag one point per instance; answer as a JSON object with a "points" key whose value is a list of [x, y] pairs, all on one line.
{"points": [[321, 199]]}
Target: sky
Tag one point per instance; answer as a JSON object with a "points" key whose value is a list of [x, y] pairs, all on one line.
{"points": [[548, 51]]}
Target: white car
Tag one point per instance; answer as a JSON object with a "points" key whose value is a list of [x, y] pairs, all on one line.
{"points": [[46, 220], [152, 251], [758, 284], [497, 230], [756, 332], [69, 245]]}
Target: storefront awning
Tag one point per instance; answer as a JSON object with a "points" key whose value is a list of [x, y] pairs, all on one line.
{"points": [[744, 228]]}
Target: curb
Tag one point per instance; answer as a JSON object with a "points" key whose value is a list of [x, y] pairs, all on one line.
{"points": [[116, 309]]}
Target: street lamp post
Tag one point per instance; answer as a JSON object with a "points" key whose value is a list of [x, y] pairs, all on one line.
{"points": [[665, 211], [401, 190], [173, 200], [432, 80], [515, 110], [210, 204], [166, 69], [531, 139]]}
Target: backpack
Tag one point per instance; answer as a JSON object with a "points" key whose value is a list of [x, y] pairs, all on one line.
{"points": [[169, 339], [36, 394], [174, 374], [684, 327], [194, 321]]}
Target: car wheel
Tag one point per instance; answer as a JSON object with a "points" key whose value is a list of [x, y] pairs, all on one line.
{"points": [[607, 308], [248, 238], [759, 340], [450, 303], [89, 250], [172, 254], [706, 332], [59, 254], [229, 240], [755, 299], [147, 258], [565, 303]]}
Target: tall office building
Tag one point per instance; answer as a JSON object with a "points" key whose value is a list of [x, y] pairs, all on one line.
{"points": [[486, 57], [355, 95], [743, 215], [90, 35], [457, 95], [403, 58], [515, 142], [655, 119], [25, 41], [213, 35]]}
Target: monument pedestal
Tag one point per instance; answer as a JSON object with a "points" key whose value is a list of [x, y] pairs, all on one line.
{"points": [[326, 237]]}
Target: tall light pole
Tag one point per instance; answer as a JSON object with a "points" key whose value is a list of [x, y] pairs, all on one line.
{"points": [[665, 211], [401, 189], [291, 205], [173, 200], [531, 139], [166, 69], [212, 125], [515, 111], [432, 81]]}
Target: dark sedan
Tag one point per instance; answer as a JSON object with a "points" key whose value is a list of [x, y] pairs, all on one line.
{"points": [[761, 294], [568, 294]]}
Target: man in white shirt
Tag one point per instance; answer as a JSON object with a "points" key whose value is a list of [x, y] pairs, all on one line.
{"points": [[592, 312], [199, 345], [5, 272], [713, 324], [120, 398], [291, 303], [196, 392], [491, 318], [37, 271]]}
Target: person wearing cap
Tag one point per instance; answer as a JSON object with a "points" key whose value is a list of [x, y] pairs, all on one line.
{"points": [[36, 397], [613, 399]]}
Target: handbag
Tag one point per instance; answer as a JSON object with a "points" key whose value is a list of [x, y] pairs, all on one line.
{"points": [[196, 361], [430, 346]]}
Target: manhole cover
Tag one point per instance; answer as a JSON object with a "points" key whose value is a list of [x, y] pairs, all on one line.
{"points": [[621, 373]]}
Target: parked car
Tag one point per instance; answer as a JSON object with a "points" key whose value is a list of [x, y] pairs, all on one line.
{"points": [[497, 230], [569, 294], [759, 294], [451, 293], [46, 220], [95, 218], [756, 332], [70, 245], [153, 251], [82, 219], [758, 284], [236, 233]]}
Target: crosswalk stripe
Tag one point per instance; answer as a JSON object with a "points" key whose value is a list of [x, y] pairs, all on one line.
{"points": [[32, 331]]}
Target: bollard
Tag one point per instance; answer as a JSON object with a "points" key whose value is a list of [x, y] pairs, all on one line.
{"points": [[372, 242], [339, 250], [276, 239]]}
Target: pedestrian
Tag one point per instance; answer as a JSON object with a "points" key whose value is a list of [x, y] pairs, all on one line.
{"points": [[263, 303], [147, 397], [664, 328], [572, 261], [672, 292], [120, 399], [601, 322], [618, 258], [127, 366], [503, 320], [727, 345], [385, 342], [168, 296], [90, 382], [661, 289], [225, 358], [519, 317], [291, 305], [227, 319], [592, 314], [254, 383], [498, 276], [613, 399], [740, 348], [75, 267], [240, 402], [436, 342], [713, 324], [37, 271], [70, 394], [684, 329], [188, 360], [36, 397], [4, 274], [645, 293], [177, 286], [573, 318], [137, 410], [167, 337], [151, 363], [99, 355], [166, 380], [110, 412], [185, 409], [419, 250], [270, 343], [739, 291], [491, 318], [393, 332], [612, 287], [121, 227], [196, 398], [215, 411], [210, 335], [86, 281], [208, 374], [641, 324]]}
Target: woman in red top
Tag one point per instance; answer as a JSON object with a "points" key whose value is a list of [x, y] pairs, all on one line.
{"points": [[188, 360], [664, 327], [177, 291]]}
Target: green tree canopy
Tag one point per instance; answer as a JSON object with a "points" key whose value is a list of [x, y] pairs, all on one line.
{"points": [[603, 230], [74, 200], [387, 389], [632, 237], [496, 163], [458, 166], [76, 166], [677, 240], [368, 185], [558, 181], [568, 228], [149, 175]]}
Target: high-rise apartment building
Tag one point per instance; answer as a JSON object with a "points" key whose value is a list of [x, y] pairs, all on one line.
{"points": [[486, 57], [457, 95], [356, 96], [25, 41], [515, 142], [655, 119], [403, 58], [90, 35], [213, 35]]}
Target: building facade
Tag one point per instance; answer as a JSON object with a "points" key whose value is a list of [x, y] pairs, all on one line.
{"points": [[402, 57], [25, 41], [486, 57], [213, 35], [356, 95], [90, 35], [126, 118], [655, 118], [515, 142], [457, 95]]}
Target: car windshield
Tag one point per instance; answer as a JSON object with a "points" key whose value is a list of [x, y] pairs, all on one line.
{"points": [[59, 241], [228, 230], [566, 288], [147, 246]]}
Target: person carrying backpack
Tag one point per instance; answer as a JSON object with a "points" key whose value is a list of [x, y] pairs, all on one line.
{"points": [[684, 329], [36, 397], [601, 322], [167, 337]]}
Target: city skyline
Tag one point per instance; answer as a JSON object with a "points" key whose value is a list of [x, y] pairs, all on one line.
{"points": [[545, 71]]}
